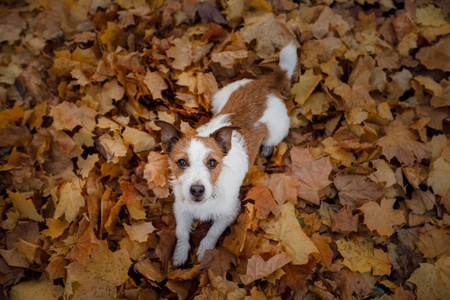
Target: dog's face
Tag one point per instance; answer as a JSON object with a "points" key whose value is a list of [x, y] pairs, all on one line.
{"points": [[195, 162]]}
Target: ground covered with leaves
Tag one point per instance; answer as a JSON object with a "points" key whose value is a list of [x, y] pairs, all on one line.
{"points": [[353, 204]]}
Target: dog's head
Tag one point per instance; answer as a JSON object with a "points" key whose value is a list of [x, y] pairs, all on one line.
{"points": [[195, 162]]}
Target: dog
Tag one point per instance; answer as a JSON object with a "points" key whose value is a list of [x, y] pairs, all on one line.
{"points": [[209, 168]]}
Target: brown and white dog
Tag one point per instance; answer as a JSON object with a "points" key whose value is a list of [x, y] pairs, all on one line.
{"points": [[208, 168]]}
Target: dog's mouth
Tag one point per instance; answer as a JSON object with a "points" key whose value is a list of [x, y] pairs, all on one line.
{"points": [[197, 200]]}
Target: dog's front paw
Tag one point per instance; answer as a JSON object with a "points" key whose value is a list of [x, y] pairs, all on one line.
{"points": [[204, 245], [180, 255]]}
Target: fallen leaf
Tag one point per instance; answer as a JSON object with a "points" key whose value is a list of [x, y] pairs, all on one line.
{"points": [[139, 231], [100, 276], [151, 270], [264, 201], [363, 257], [217, 260], [287, 230], [432, 280], [42, 289], [354, 189], [381, 217], [311, 173], [344, 221], [140, 140], [270, 33], [155, 84], [25, 207], [69, 201], [283, 187], [258, 268]]}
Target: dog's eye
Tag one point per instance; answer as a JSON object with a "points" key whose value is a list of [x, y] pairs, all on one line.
{"points": [[212, 163], [182, 163]]}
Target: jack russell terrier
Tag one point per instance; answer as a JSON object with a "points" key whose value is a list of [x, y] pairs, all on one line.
{"points": [[208, 168]]}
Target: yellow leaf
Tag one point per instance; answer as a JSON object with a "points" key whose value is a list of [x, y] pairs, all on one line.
{"points": [[70, 201], [56, 227], [439, 178], [140, 140], [139, 231], [25, 206], [432, 280], [304, 88], [44, 289], [363, 257], [86, 165], [287, 230]]}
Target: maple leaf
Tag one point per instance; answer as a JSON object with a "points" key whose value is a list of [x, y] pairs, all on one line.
{"points": [[433, 241], [67, 115], [269, 32], [283, 187], [264, 201], [311, 173], [286, 229], [439, 178], [322, 242], [258, 268], [30, 289], [432, 280], [382, 217], [25, 207], [155, 83], [70, 201], [436, 56], [217, 260], [354, 189], [151, 271], [363, 257], [99, 277], [304, 88], [139, 231], [400, 142], [140, 140], [345, 221], [156, 169], [85, 240]]}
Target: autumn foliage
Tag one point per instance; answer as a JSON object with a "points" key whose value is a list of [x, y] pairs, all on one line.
{"points": [[353, 204]]}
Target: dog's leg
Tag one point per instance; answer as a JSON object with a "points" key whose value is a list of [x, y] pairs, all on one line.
{"points": [[210, 240], [180, 255]]}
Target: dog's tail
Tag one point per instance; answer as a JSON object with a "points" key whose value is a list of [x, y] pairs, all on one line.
{"points": [[282, 75]]}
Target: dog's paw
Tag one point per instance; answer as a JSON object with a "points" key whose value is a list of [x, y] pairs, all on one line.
{"points": [[266, 151], [180, 255], [204, 245]]}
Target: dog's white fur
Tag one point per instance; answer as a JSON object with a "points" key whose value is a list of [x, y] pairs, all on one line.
{"points": [[221, 204]]}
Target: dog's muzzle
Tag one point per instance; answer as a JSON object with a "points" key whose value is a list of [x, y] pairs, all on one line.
{"points": [[197, 192]]}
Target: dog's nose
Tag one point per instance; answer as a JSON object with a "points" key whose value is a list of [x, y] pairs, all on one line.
{"points": [[197, 190]]}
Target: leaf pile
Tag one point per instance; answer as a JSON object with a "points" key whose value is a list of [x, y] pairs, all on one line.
{"points": [[353, 204]]}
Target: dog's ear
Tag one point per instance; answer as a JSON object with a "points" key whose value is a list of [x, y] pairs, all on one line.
{"points": [[223, 137], [170, 135]]}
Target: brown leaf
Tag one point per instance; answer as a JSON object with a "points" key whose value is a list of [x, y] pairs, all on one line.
{"points": [[433, 241], [382, 217], [217, 260], [264, 201], [400, 142], [311, 173], [354, 189], [209, 13], [150, 270], [436, 56], [269, 32], [258, 268], [344, 221], [85, 240], [322, 242], [283, 187]]}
